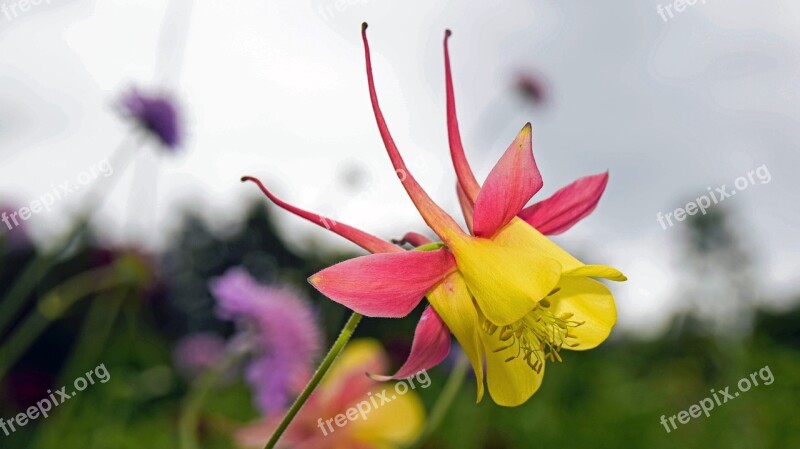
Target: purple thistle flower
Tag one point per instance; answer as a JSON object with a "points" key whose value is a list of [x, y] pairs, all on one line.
{"points": [[283, 327], [156, 113], [532, 87]]}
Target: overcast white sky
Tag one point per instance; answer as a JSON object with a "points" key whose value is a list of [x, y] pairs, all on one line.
{"points": [[278, 90]]}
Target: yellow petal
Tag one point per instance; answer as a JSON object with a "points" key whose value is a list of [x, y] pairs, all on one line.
{"points": [[590, 302], [519, 234], [392, 425], [597, 271], [510, 383], [506, 280], [452, 301], [362, 355], [346, 382]]}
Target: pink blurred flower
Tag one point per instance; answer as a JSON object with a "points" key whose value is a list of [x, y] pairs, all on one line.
{"points": [[282, 326], [198, 352], [390, 425]]}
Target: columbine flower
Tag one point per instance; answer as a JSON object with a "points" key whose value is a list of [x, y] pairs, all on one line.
{"points": [[388, 426], [155, 113], [509, 294], [281, 325]]}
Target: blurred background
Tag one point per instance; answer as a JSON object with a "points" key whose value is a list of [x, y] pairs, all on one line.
{"points": [[126, 126]]}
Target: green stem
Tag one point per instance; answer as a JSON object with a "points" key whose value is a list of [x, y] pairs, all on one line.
{"points": [[53, 305], [24, 335], [187, 426], [330, 357], [445, 400], [32, 274], [35, 270], [94, 335]]}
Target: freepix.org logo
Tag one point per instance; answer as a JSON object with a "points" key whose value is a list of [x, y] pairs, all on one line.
{"points": [[373, 401], [12, 10], [717, 398], [58, 192], [713, 197], [60, 396]]}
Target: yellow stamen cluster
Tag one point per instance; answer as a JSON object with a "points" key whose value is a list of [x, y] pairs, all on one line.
{"points": [[538, 336]]}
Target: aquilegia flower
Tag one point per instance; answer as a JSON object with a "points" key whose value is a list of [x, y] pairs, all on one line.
{"points": [[509, 294], [283, 328], [156, 113], [385, 424]]}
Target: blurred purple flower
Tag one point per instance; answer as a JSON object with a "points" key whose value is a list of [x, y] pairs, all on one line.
{"points": [[197, 352], [12, 229], [282, 326], [156, 113], [532, 88]]}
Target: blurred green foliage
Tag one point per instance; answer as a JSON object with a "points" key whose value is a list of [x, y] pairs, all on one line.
{"points": [[614, 397], [611, 397]]}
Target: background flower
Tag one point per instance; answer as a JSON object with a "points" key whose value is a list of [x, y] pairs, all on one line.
{"points": [[391, 425], [669, 108], [282, 326], [157, 113], [197, 352]]}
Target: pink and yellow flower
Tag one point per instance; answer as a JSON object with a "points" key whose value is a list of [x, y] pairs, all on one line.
{"points": [[391, 425], [511, 296]]}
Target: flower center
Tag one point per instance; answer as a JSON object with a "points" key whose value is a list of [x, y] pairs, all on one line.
{"points": [[538, 336]]}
